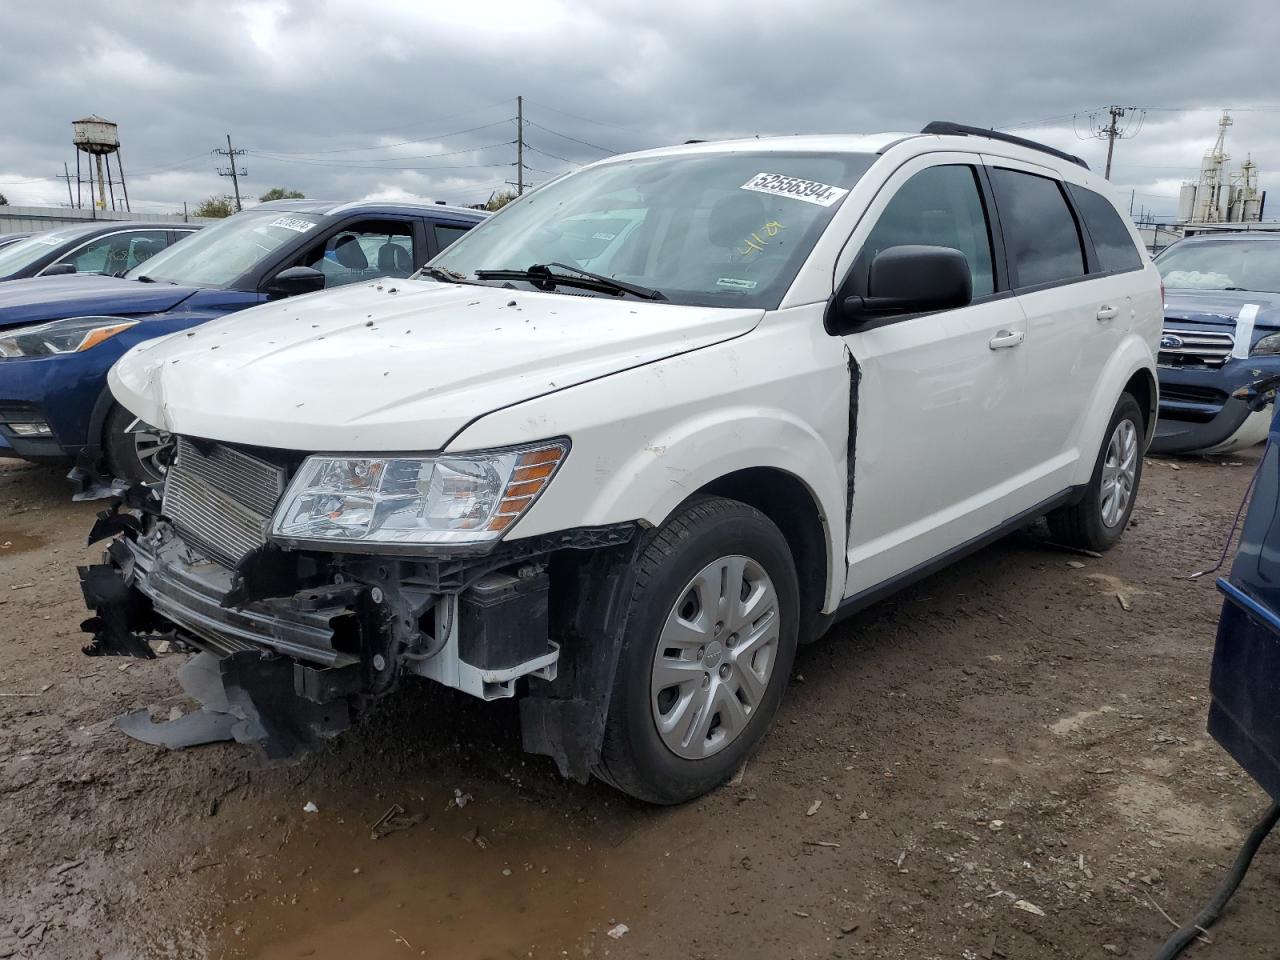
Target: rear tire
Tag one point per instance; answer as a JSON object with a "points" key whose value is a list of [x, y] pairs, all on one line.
{"points": [[706, 654], [134, 457], [1097, 521]]}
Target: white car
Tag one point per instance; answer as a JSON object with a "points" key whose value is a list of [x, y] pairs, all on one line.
{"points": [[803, 372]]}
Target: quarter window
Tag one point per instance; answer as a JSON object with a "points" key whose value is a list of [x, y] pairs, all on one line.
{"points": [[1111, 239], [446, 233], [1040, 232], [941, 207]]}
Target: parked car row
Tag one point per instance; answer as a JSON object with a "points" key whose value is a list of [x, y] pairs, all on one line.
{"points": [[60, 335], [617, 450]]}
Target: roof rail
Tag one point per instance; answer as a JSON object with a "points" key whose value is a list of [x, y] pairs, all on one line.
{"points": [[947, 128]]}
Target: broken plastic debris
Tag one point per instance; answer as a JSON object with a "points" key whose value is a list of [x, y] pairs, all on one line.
{"points": [[310, 807], [618, 931], [813, 808], [1028, 907], [461, 799]]}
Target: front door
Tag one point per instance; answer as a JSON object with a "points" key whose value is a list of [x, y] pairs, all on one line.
{"points": [[937, 452]]}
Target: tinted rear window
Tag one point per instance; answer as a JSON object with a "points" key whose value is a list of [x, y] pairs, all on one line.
{"points": [[1111, 240], [1040, 231]]}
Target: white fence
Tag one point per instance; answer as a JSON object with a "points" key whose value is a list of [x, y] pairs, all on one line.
{"points": [[34, 219]]}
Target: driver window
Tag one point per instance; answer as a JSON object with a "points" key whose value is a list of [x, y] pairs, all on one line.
{"points": [[364, 251], [114, 254], [940, 207]]}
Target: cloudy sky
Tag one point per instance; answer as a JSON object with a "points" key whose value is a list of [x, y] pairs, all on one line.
{"points": [[345, 99]]}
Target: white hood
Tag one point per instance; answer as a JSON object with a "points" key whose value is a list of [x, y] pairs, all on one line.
{"points": [[396, 365]]}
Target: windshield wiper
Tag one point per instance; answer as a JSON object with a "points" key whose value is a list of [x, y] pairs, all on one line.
{"points": [[447, 275], [542, 277]]}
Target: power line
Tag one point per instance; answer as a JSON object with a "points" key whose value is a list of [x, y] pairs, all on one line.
{"points": [[378, 163], [553, 156], [399, 143], [585, 143], [575, 116]]}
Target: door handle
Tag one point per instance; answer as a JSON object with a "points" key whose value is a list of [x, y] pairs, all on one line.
{"points": [[1106, 312], [1004, 339]]}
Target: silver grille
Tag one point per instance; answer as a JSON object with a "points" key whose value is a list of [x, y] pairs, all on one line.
{"points": [[221, 500], [1196, 347]]}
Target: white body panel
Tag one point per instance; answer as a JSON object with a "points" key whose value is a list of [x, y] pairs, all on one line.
{"points": [[952, 439]]}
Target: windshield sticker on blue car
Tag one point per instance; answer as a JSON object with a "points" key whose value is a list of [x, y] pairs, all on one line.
{"points": [[810, 191], [292, 223], [736, 283]]}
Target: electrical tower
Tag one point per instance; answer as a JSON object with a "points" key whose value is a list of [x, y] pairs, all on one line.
{"points": [[231, 153], [1112, 129]]}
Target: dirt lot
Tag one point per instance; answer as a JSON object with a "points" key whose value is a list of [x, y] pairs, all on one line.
{"points": [[1006, 731]]}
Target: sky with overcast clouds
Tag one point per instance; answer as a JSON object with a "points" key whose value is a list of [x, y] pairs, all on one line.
{"points": [[345, 99]]}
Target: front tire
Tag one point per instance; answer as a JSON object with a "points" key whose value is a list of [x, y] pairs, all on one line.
{"points": [[1098, 520], [138, 457], [708, 647]]}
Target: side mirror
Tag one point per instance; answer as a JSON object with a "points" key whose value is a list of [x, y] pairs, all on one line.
{"points": [[58, 270], [295, 280], [912, 278]]}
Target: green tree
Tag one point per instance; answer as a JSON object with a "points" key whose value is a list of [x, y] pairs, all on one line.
{"points": [[215, 206], [4, 201], [282, 193], [500, 200]]}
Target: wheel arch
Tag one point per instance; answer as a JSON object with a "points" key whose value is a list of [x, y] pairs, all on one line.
{"points": [[1143, 387], [1130, 366], [792, 508]]}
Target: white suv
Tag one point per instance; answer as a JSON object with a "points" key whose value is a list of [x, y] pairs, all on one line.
{"points": [[800, 373]]}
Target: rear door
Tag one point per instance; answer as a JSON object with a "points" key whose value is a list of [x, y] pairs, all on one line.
{"points": [[1072, 323], [937, 453]]}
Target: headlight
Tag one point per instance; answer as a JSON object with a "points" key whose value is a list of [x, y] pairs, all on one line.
{"points": [[447, 499], [1267, 346], [73, 335]]}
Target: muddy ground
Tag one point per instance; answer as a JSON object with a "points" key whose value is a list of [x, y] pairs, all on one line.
{"points": [[1008, 731]]}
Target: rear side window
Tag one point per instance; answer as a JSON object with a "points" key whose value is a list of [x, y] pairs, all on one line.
{"points": [[1111, 240], [1040, 232]]}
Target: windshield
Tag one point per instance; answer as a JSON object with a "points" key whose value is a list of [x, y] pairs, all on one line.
{"points": [[218, 255], [1243, 264], [715, 229], [20, 255]]}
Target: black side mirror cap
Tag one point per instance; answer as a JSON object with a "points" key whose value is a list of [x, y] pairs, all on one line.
{"points": [[58, 270], [295, 280], [911, 278]]}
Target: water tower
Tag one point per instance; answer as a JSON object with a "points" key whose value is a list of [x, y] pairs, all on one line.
{"points": [[100, 139]]}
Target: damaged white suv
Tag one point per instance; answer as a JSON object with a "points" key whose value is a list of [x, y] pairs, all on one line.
{"points": [[623, 446]]}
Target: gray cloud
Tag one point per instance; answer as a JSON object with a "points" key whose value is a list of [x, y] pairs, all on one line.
{"points": [[306, 87]]}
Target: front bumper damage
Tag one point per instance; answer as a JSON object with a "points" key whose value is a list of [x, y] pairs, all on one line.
{"points": [[294, 643], [1206, 410]]}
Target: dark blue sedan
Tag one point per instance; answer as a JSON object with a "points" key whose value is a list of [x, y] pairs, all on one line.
{"points": [[60, 335]]}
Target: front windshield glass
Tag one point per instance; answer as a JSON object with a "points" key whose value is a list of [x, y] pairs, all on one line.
{"points": [[20, 255], [1243, 264], [218, 255], [715, 229]]}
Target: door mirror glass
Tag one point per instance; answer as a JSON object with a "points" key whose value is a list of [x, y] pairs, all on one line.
{"points": [[295, 280]]}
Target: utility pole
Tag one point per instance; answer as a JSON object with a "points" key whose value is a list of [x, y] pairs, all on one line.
{"points": [[519, 146], [1112, 129], [231, 153], [66, 175]]}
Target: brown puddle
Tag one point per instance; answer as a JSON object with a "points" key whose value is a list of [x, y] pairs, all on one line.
{"points": [[14, 543], [504, 876]]}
